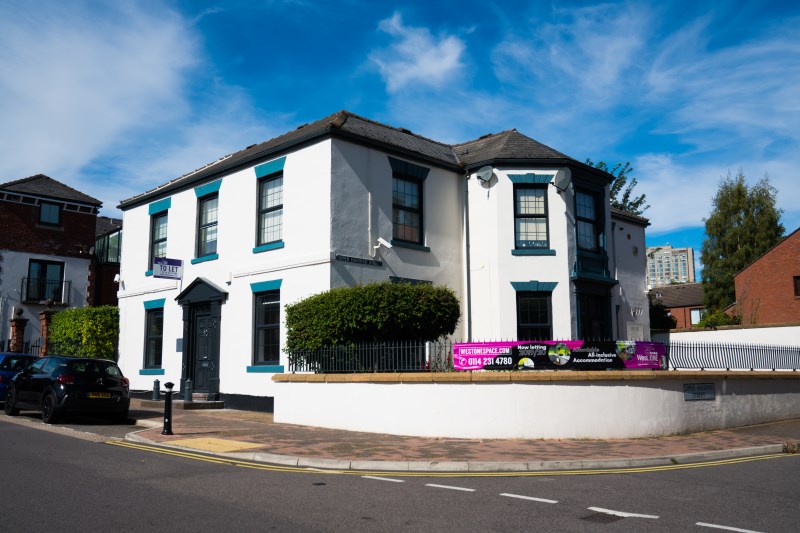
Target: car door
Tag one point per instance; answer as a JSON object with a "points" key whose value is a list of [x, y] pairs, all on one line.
{"points": [[42, 381], [24, 383]]}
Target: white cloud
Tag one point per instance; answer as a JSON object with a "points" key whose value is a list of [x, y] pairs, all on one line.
{"points": [[115, 100], [587, 57], [74, 80], [416, 57]]}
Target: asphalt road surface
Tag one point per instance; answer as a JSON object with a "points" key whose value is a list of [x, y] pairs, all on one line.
{"points": [[56, 482]]}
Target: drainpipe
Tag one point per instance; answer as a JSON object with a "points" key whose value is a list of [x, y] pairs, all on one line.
{"points": [[467, 277]]}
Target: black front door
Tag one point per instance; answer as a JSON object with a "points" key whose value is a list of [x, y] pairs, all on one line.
{"points": [[205, 333], [202, 314]]}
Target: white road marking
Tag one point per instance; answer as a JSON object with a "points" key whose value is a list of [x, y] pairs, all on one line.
{"points": [[384, 479], [727, 528], [531, 498], [449, 487], [621, 513]]}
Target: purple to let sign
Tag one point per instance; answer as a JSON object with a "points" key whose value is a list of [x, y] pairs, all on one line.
{"points": [[167, 268]]}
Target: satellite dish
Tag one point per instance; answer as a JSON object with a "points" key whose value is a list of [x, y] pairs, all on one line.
{"points": [[562, 179], [484, 174]]}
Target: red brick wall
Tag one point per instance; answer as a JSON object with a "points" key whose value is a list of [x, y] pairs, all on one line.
{"points": [[21, 231], [683, 315], [765, 289]]}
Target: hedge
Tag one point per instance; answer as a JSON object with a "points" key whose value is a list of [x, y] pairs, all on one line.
{"points": [[86, 332], [372, 313]]}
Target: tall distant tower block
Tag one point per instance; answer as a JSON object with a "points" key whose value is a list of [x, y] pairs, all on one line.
{"points": [[666, 265]]}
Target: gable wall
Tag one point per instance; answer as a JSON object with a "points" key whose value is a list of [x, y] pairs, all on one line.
{"points": [[765, 289]]}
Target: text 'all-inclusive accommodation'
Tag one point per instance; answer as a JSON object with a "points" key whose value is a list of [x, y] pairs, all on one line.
{"points": [[523, 234]]}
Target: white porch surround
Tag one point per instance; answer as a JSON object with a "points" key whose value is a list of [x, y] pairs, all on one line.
{"points": [[535, 405]]}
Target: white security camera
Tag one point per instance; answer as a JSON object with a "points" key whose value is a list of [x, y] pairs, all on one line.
{"points": [[384, 242]]}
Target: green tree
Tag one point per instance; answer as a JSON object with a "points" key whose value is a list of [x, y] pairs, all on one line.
{"points": [[743, 224], [621, 191], [660, 317]]}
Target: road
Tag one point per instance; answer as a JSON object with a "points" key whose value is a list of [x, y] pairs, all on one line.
{"points": [[56, 482]]}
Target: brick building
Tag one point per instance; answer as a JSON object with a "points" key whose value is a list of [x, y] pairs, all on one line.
{"points": [[684, 301], [47, 233], [768, 291]]}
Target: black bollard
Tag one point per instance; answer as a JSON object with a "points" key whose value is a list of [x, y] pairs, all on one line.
{"points": [[156, 391], [187, 391], [168, 409]]}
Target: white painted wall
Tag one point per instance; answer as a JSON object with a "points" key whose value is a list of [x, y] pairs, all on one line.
{"points": [[302, 265], [493, 267], [327, 212], [536, 410], [15, 267], [627, 254], [361, 211], [774, 336]]}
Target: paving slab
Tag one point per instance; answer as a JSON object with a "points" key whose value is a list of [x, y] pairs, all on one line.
{"points": [[258, 437]]}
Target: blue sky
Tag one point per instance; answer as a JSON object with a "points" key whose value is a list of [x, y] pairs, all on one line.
{"points": [[114, 98]]}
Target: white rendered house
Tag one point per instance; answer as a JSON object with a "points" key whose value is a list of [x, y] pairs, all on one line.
{"points": [[522, 233]]}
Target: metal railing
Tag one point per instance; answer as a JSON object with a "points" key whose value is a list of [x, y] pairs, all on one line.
{"points": [[40, 290], [28, 347], [398, 356], [730, 356], [437, 356]]}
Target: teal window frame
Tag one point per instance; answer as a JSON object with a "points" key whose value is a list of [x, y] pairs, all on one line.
{"points": [[265, 210], [408, 202], [588, 216], [540, 294], [156, 240], [153, 334], [267, 327], [206, 226], [522, 216]]}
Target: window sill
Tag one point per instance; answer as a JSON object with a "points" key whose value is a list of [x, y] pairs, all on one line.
{"points": [[265, 369], [151, 372], [277, 245], [203, 259], [533, 251], [410, 245]]}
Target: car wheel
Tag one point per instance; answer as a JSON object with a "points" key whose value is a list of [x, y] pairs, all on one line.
{"points": [[49, 410], [10, 405]]}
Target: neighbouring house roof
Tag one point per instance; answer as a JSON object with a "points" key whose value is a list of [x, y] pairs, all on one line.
{"points": [[505, 147], [630, 217], [106, 225], [681, 295], [46, 187]]}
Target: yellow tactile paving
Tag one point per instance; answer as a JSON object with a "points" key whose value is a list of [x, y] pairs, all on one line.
{"points": [[215, 445]]}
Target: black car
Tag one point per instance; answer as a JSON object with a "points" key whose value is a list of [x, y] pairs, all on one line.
{"points": [[57, 385]]}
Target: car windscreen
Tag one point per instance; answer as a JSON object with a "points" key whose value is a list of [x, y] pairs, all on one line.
{"points": [[15, 363], [103, 368]]}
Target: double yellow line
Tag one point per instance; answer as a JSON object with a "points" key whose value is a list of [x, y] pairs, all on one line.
{"points": [[549, 473]]}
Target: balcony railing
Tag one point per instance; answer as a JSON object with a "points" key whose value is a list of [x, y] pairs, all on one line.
{"points": [[35, 290]]}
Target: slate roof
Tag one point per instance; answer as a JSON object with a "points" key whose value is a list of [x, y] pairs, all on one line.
{"points": [[505, 146], [105, 225], [46, 187], [681, 295], [508, 146], [636, 219]]}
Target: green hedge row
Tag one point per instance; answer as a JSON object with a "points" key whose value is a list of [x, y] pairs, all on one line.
{"points": [[86, 332], [372, 313]]}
